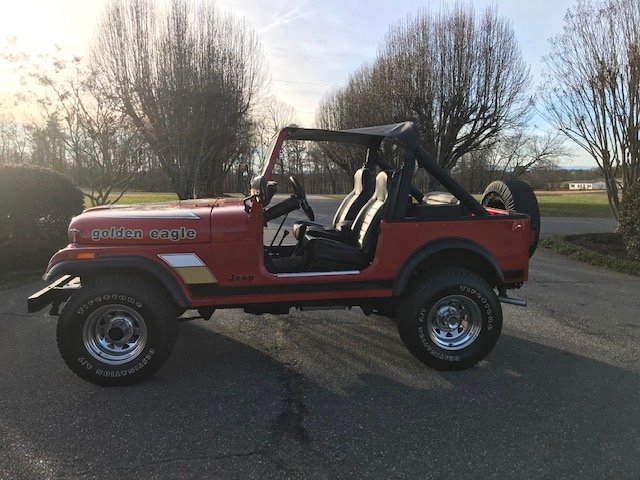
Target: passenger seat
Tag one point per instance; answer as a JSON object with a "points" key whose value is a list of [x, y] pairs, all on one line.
{"points": [[363, 186], [327, 254]]}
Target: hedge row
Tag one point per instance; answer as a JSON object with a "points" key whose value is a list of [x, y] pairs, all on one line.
{"points": [[35, 208]]}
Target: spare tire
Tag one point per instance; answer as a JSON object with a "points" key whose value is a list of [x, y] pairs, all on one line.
{"points": [[514, 196]]}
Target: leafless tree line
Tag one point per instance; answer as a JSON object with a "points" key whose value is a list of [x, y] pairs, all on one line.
{"points": [[458, 73], [176, 90]]}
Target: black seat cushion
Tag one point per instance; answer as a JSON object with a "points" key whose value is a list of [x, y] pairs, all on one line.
{"points": [[327, 254], [284, 264]]}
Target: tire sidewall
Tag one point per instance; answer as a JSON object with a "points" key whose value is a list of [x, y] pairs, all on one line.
{"points": [[414, 328], [71, 325]]}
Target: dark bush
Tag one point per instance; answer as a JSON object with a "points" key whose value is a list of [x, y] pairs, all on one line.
{"points": [[35, 208], [630, 220]]}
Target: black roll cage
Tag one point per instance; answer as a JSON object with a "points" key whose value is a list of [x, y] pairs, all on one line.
{"points": [[406, 134]]}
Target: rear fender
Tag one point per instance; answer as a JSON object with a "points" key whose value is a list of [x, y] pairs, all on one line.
{"points": [[450, 252]]}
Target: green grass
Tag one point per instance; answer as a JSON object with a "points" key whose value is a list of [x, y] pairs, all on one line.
{"points": [[600, 249], [140, 197], [565, 204], [574, 205], [561, 204]]}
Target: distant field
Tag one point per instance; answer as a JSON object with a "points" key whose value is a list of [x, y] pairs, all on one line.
{"points": [[141, 197], [572, 204], [565, 204], [552, 204]]}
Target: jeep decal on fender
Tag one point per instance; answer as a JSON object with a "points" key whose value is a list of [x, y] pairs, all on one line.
{"points": [[122, 233], [116, 233], [182, 233]]}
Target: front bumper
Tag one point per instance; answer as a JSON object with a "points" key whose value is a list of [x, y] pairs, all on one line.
{"points": [[54, 294]]}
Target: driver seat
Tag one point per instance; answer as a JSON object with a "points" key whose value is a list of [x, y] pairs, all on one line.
{"points": [[328, 254], [363, 187]]}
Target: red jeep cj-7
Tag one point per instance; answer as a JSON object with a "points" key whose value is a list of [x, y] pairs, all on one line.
{"points": [[438, 263]]}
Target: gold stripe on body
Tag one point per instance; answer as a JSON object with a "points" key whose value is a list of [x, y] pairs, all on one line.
{"points": [[194, 275]]}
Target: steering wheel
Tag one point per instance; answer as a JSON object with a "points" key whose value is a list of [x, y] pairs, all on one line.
{"points": [[302, 198]]}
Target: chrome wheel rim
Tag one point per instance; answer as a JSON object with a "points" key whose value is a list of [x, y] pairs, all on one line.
{"points": [[114, 334], [454, 322]]}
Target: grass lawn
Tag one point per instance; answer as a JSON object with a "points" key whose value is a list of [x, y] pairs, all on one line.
{"points": [[599, 249], [552, 204], [573, 204], [141, 197]]}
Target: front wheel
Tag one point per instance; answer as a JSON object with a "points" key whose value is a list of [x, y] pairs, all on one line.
{"points": [[450, 320], [117, 331]]}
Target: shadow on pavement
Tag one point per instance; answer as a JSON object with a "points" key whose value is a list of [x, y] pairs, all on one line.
{"points": [[355, 405]]}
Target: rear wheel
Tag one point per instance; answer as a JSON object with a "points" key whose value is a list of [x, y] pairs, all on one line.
{"points": [[450, 320], [117, 331], [514, 196]]}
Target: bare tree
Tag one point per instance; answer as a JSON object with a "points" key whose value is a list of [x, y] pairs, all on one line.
{"points": [[358, 104], [520, 152], [13, 139], [97, 140], [273, 116], [48, 143], [187, 75], [277, 115], [102, 140], [80, 131], [592, 88], [459, 74], [473, 170]]}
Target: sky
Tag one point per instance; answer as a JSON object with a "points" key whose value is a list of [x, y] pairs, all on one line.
{"points": [[310, 46]]}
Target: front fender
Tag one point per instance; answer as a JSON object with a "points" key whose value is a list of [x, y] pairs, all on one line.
{"points": [[100, 266]]}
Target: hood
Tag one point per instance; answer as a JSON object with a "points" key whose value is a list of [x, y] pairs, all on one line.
{"points": [[169, 223]]}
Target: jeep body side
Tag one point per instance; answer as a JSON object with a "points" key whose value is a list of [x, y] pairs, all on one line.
{"points": [[210, 254]]}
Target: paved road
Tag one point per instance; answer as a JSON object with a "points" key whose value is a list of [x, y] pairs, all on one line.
{"points": [[567, 225], [334, 394]]}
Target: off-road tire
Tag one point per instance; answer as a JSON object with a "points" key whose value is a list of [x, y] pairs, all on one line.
{"points": [[515, 196], [114, 306], [433, 296]]}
